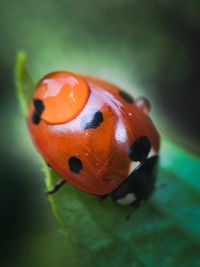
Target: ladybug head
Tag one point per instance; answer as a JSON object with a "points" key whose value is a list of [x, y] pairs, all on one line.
{"points": [[60, 97]]}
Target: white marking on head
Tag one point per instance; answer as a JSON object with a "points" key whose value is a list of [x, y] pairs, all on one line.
{"points": [[152, 153], [129, 198], [133, 166]]}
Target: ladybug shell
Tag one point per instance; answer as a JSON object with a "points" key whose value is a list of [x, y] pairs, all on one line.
{"points": [[88, 140]]}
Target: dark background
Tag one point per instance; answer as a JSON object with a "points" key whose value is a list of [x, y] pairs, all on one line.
{"points": [[151, 48]]}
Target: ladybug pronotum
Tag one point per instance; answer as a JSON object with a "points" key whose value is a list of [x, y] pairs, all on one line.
{"points": [[95, 136]]}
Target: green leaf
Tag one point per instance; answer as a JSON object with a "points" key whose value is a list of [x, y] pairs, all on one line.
{"points": [[24, 83], [163, 232]]}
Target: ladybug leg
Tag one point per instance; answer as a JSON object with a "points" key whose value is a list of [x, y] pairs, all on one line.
{"points": [[56, 186], [136, 204], [102, 198]]}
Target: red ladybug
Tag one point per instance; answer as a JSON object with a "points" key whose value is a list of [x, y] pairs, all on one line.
{"points": [[95, 136]]}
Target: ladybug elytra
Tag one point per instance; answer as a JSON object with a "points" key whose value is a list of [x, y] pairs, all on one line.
{"points": [[95, 136]]}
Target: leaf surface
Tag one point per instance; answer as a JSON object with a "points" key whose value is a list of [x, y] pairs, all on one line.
{"points": [[165, 231]]}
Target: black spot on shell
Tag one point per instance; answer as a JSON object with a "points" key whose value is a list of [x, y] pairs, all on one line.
{"points": [[128, 98], [75, 164], [139, 150], [39, 105], [39, 108], [92, 120], [36, 117]]}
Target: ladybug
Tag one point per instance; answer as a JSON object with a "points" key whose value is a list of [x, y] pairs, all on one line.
{"points": [[95, 136]]}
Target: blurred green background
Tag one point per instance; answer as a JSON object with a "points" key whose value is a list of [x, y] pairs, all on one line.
{"points": [[151, 48]]}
